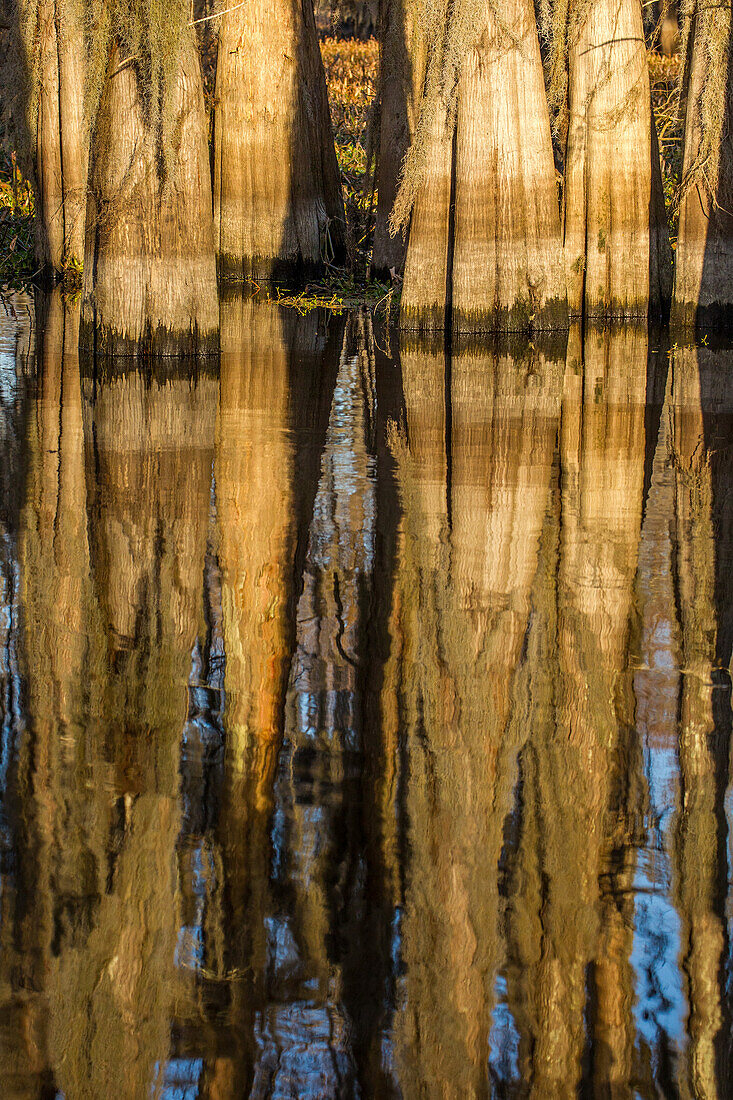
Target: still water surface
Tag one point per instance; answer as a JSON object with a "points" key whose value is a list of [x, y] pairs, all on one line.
{"points": [[366, 716]]}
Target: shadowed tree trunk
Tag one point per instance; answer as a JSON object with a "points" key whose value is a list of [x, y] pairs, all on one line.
{"points": [[704, 263], [399, 86], [615, 226], [278, 207], [51, 35], [484, 244], [149, 269]]}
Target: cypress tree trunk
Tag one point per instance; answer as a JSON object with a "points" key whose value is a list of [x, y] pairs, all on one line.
{"points": [[425, 294], [278, 207], [52, 38], [615, 226], [150, 270], [485, 236], [703, 289], [400, 77]]}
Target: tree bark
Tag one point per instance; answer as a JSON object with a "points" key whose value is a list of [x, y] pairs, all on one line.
{"points": [[615, 227], [485, 235], [703, 291], [507, 269], [400, 79], [425, 293], [278, 207], [150, 270], [53, 36]]}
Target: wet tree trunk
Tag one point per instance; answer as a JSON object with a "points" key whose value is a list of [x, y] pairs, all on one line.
{"points": [[615, 226], [53, 36], [703, 289], [149, 269], [484, 244], [278, 208]]}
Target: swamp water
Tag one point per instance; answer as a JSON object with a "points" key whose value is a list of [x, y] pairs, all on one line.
{"points": [[366, 716]]}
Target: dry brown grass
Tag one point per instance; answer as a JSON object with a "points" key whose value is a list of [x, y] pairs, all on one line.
{"points": [[352, 72], [664, 73]]}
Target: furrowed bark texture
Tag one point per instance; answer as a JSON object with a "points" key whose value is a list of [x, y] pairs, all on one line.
{"points": [[615, 227], [278, 207], [58, 137], [507, 267], [489, 201], [401, 75], [150, 269], [426, 287], [703, 291]]}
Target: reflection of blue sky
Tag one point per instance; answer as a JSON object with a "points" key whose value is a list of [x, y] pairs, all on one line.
{"points": [[10, 685], [178, 1079], [304, 1032], [8, 376], [503, 1037], [660, 1007]]}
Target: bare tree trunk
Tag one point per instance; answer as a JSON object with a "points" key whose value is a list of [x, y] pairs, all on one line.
{"points": [[278, 207], [52, 36], [507, 270], [150, 270], [399, 92], [485, 236], [615, 226], [425, 293], [703, 289]]}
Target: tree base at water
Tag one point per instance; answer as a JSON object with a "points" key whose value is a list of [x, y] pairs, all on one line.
{"points": [[278, 207], [703, 293], [484, 252], [150, 270], [616, 235]]}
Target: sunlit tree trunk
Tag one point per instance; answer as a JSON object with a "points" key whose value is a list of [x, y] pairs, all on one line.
{"points": [[425, 304], [615, 226], [703, 291], [278, 207], [52, 42], [484, 247], [149, 268]]}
